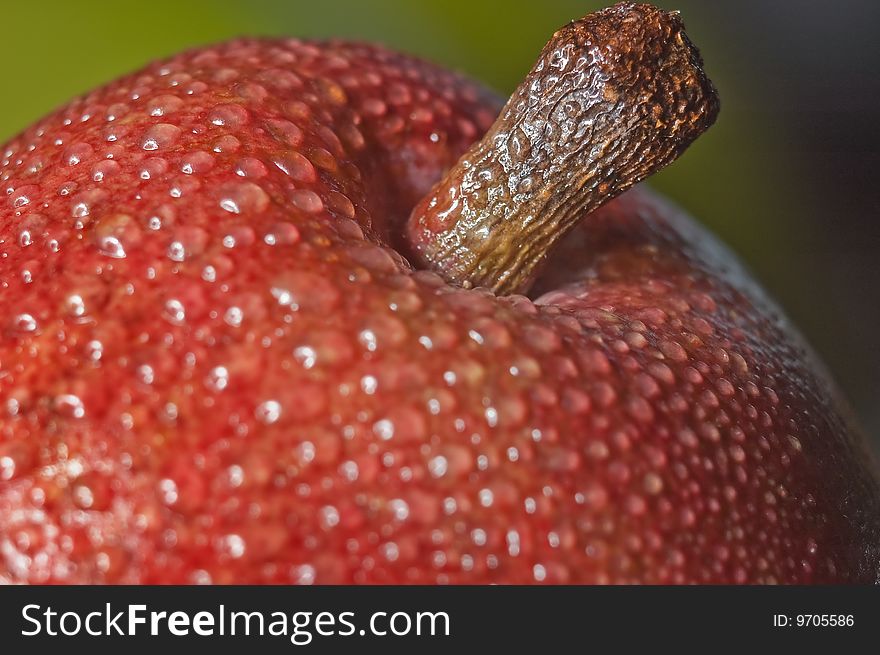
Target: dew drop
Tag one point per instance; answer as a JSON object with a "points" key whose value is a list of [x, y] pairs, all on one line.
{"points": [[229, 115], [83, 497], [95, 350], [250, 167], [76, 153], [176, 251], [197, 162], [218, 378], [233, 316], [306, 356], [399, 508], [390, 551], [282, 234], [164, 104], [70, 406], [175, 312], [329, 517], [24, 323], [159, 136], [304, 290], [244, 197], [233, 546], [486, 497], [438, 466], [7, 468], [145, 373], [369, 384], [653, 484], [298, 167], [349, 470], [268, 412], [303, 574], [168, 491], [285, 132], [110, 246], [384, 429], [306, 200]]}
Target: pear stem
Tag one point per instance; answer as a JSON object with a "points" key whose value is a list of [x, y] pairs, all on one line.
{"points": [[613, 98]]}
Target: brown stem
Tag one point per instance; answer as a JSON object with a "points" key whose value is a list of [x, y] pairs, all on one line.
{"points": [[613, 98]]}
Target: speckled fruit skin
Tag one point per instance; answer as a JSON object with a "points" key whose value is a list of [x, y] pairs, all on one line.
{"points": [[215, 367]]}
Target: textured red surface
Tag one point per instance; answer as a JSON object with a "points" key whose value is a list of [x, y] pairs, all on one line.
{"points": [[215, 368]]}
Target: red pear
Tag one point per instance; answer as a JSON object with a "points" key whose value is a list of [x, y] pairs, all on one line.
{"points": [[272, 314]]}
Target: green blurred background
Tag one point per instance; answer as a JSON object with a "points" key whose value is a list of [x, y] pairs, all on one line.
{"points": [[786, 177]]}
